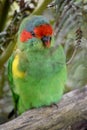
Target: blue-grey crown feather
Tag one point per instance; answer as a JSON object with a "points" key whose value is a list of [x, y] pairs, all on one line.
{"points": [[35, 21]]}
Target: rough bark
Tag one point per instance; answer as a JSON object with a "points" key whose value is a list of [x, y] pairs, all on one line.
{"points": [[71, 114]]}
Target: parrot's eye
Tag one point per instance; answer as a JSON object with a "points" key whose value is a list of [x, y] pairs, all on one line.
{"points": [[33, 34]]}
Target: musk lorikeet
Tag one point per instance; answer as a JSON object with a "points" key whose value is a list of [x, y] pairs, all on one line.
{"points": [[37, 70]]}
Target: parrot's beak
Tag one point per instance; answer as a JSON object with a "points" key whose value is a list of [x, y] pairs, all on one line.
{"points": [[47, 44], [46, 41]]}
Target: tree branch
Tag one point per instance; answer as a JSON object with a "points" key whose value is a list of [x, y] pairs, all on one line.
{"points": [[41, 7], [4, 13], [71, 114], [4, 57]]}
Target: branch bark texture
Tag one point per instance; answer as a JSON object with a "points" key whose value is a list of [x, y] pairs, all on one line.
{"points": [[71, 114]]}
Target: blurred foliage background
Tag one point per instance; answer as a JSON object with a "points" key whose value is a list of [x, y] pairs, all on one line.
{"points": [[69, 19]]}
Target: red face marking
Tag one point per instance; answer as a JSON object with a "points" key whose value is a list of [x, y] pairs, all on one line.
{"points": [[25, 35], [43, 30]]}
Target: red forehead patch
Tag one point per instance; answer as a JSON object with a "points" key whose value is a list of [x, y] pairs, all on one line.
{"points": [[25, 35], [43, 30]]}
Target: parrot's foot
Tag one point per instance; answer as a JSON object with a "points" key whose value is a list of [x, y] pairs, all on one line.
{"points": [[54, 104], [12, 113]]}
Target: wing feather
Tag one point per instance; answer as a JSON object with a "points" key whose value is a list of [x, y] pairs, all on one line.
{"points": [[12, 86]]}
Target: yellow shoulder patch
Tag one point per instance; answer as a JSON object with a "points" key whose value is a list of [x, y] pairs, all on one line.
{"points": [[15, 71]]}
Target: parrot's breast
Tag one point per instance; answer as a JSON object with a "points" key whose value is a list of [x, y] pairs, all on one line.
{"points": [[40, 64]]}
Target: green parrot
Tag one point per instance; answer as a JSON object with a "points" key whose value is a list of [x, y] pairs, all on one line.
{"points": [[37, 69]]}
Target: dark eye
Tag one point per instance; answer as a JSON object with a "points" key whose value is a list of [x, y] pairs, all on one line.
{"points": [[33, 34]]}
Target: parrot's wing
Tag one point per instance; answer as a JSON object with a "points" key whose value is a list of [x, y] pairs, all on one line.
{"points": [[12, 86]]}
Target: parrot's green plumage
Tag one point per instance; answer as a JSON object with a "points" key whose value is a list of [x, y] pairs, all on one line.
{"points": [[37, 70]]}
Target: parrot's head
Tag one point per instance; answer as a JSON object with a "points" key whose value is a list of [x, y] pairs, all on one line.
{"points": [[35, 32]]}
